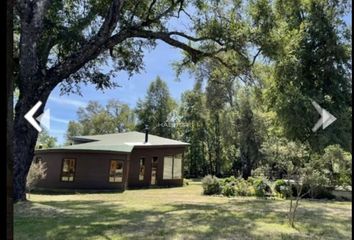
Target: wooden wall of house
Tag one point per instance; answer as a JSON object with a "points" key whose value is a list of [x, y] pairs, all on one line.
{"points": [[92, 170], [148, 154]]}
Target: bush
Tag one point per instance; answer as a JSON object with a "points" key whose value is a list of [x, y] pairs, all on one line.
{"points": [[281, 188], [261, 187], [318, 192], [37, 172], [228, 190], [211, 185], [243, 188]]}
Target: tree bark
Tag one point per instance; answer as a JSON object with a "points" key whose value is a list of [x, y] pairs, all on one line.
{"points": [[9, 120], [25, 137]]}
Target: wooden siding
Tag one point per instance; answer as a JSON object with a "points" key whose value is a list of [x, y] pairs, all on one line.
{"points": [[148, 154], [91, 171]]}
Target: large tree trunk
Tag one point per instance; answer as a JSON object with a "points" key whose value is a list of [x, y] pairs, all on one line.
{"points": [[218, 146], [9, 120], [25, 137]]}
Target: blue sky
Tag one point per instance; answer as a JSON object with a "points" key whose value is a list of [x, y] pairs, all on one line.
{"points": [[158, 62]]}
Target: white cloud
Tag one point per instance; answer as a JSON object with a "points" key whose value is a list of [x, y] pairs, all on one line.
{"points": [[59, 120], [67, 101]]}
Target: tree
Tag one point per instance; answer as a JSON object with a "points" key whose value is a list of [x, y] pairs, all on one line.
{"points": [[74, 129], [194, 130], [250, 140], [312, 61], [36, 173], [336, 165], [96, 119], [156, 109], [294, 158], [45, 140], [65, 43]]}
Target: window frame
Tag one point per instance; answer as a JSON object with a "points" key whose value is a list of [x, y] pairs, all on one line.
{"points": [[62, 166], [173, 166], [109, 170], [173, 169]]}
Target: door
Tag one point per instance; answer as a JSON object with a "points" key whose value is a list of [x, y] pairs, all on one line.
{"points": [[154, 165]]}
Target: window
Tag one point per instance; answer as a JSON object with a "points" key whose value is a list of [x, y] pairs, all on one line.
{"points": [[116, 171], [142, 169], [177, 166], [167, 167], [68, 170], [172, 167], [154, 165]]}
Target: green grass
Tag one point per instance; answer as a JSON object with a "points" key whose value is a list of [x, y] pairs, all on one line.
{"points": [[175, 213]]}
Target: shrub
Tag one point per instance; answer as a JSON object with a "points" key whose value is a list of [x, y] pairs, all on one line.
{"points": [[243, 188], [281, 188], [36, 172], [318, 191], [261, 187], [230, 180], [228, 190], [211, 185]]}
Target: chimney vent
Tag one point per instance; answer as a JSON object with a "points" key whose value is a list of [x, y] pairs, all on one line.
{"points": [[146, 133]]}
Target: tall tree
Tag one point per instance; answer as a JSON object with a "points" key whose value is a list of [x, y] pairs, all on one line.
{"points": [[312, 61], [194, 130], [250, 140], [65, 42], [156, 109]]}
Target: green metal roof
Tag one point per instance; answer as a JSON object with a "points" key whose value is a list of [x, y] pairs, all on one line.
{"points": [[118, 142]]}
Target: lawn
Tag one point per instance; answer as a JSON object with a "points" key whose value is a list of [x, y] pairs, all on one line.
{"points": [[175, 213]]}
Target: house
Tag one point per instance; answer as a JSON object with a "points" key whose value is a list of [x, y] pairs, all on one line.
{"points": [[113, 161]]}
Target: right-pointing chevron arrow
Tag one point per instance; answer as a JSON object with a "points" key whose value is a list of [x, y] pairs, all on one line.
{"points": [[326, 118]]}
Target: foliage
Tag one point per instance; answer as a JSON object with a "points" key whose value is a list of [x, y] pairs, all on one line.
{"points": [[156, 109], [37, 172], [193, 130], [261, 187], [97, 119], [45, 140], [336, 165], [228, 190], [250, 141], [312, 62], [281, 188], [244, 188], [211, 185]]}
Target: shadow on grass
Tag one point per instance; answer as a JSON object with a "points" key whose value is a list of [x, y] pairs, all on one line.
{"points": [[101, 220], [73, 191]]}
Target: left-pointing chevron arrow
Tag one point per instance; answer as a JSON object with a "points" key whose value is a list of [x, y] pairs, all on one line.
{"points": [[30, 119]]}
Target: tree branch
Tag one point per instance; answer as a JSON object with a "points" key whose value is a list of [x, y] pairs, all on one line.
{"points": [[91, 49], [111, 20]]}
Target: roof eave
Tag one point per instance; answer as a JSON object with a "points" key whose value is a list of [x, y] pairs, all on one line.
{"points": [[38, 151]]}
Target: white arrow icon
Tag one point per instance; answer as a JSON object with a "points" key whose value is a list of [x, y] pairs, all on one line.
{"points": [[44, 118], [326, 118]]}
